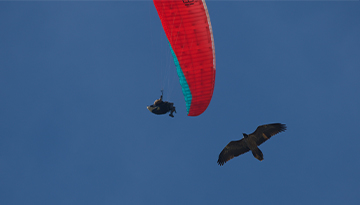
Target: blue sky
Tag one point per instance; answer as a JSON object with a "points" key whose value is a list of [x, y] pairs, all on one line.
{"points": [[76, 77]]}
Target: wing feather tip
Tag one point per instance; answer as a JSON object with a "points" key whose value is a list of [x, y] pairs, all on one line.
{"points": [[282, 127], [220, 162]]}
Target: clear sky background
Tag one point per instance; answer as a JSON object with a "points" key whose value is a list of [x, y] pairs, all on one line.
{"points": [[76, 77]]}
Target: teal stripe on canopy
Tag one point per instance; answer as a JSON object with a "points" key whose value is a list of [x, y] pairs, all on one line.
{"points": [[183, 83]]}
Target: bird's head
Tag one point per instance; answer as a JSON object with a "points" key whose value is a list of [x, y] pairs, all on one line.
{"points": [[245, 135], [151, 108]]}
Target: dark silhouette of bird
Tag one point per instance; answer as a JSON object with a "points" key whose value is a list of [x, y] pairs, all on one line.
{"points": [[250, 142]]}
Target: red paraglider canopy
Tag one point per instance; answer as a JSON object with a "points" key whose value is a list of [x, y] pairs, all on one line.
{"points": [[188, 29]]}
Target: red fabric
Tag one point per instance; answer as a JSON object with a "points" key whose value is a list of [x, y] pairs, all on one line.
{"points": [[187, 28]]}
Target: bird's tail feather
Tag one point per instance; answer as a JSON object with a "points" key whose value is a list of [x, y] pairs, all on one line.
{"points": [[258, 154]]}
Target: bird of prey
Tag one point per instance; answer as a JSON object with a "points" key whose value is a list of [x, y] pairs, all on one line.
{"points": [[250, 142]]}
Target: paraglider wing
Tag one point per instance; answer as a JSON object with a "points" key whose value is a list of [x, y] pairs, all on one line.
{"points": [[188, 29]]}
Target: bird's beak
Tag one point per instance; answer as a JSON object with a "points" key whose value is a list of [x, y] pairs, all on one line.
{"points": [[150, 108]]}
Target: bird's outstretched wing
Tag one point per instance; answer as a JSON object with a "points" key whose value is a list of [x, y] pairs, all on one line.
{"points": [[264, 132], [233, 149]]}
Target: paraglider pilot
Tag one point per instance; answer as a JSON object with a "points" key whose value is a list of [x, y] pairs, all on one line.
{"points": [[160, 107]]}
